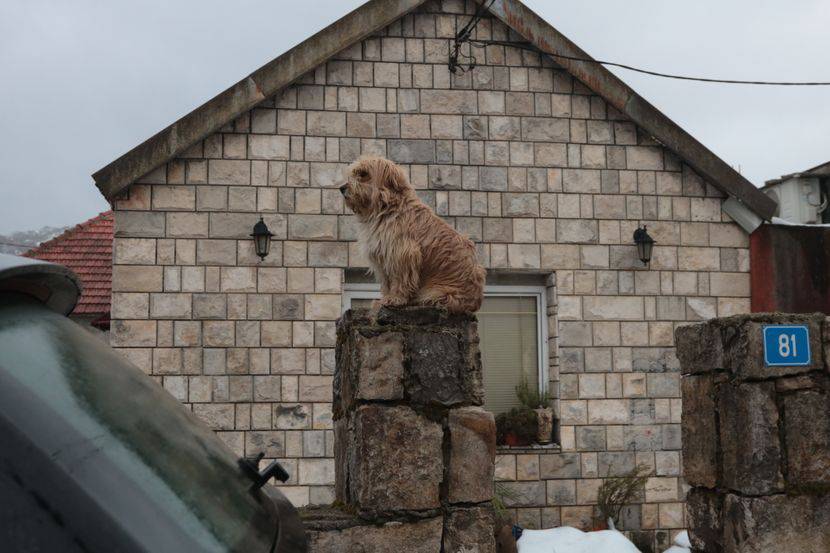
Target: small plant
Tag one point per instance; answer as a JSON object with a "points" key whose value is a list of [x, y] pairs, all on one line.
{"points": [[619, 491], [500, 493], [532, 399], [516, 427]]}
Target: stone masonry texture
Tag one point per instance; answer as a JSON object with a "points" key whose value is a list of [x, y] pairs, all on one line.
{"points": [[538, 171], [405, 452], [756, 439]]}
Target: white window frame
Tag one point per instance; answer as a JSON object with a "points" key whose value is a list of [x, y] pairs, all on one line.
{"points": [[371, 291]]}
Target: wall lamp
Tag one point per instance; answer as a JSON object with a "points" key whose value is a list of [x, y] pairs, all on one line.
{"points": [[645, 244], [262, 238]]}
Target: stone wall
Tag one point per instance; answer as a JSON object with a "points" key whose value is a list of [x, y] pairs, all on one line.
{"points": [[414, 450], [538, 170], [756, 438]]}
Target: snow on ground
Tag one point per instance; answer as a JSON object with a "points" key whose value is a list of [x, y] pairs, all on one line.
{"points": [[780, 221], [681, 544], [570, 540]]}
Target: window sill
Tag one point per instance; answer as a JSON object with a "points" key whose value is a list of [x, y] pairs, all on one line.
{"points": [[533, 448]]}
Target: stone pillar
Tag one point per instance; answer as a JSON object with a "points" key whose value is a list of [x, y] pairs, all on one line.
{"points": [[756, 438], [414, 450]]}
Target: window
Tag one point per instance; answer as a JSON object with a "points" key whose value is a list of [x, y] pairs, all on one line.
{"points": [[512, 327]]}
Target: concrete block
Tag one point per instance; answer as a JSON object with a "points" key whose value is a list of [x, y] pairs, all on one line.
{"points": [[700, 432], [751, 454], [412, 482], [472, 443]]}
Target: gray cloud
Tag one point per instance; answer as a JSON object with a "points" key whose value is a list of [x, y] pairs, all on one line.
{"points": [[85, 81]]}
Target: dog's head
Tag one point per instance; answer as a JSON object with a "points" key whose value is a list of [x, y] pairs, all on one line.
{"points": [[374, 185]]}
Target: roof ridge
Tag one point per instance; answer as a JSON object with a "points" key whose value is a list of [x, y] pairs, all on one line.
{"points": [[86, 249], [66, 234], [246, 94]]}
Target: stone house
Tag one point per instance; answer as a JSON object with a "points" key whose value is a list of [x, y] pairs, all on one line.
{"points": [[548, 165]]}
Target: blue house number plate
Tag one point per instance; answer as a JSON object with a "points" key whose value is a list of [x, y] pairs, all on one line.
{"points": [[787, 345]]}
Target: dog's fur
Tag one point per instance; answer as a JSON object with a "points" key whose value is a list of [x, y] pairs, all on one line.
{"points": [[418, 258]]}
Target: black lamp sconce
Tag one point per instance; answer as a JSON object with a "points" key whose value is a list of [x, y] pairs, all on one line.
{"points": [[645, 244], [262, 238]]}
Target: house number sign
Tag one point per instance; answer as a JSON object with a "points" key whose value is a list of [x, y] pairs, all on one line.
{"points": [[786, 345]]}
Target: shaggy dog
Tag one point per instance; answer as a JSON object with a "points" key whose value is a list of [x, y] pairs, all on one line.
{"points": [[418, 258]]}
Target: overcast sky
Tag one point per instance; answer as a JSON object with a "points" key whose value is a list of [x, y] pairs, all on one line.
{"points": [[84, 81]]}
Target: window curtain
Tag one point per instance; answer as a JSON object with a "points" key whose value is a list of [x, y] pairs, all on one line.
{"points": [[508, 330]]}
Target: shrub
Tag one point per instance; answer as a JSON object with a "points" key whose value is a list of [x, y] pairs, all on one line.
{"points": [[619, 491], [500, 494], [531, 399]]}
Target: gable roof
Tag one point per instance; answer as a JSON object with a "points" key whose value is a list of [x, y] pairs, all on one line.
{"points": [[245, 95], [820, 170], [87, 250], [373, 16]]}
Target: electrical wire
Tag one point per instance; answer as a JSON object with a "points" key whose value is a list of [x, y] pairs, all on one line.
{"points": [[527, 46], [463, 36]]}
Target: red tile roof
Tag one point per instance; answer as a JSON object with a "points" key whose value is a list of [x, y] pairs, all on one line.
{"points": [[87, 250]]}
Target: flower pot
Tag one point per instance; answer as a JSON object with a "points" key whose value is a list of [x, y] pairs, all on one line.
{"points": [[544, 418], [513, 440], [516, 427], [599, 524]]}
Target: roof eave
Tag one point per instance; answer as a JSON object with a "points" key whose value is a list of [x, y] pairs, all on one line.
{"points": [[622, 97], [820, 170], [247, 93]]}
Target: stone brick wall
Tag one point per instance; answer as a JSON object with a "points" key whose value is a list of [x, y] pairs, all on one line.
{"points": [[540, 172], [408, 387], [756, 439]]}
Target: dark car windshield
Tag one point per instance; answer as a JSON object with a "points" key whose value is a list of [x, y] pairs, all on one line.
{"points": [[120, 418]]}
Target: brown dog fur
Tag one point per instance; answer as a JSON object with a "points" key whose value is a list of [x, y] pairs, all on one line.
{"points": [[418, 258]]}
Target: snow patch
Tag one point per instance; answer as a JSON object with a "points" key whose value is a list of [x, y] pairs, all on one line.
{"points": [[570, 540], [681, 544], [780, 221], [566, 539], [682, 539]]}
